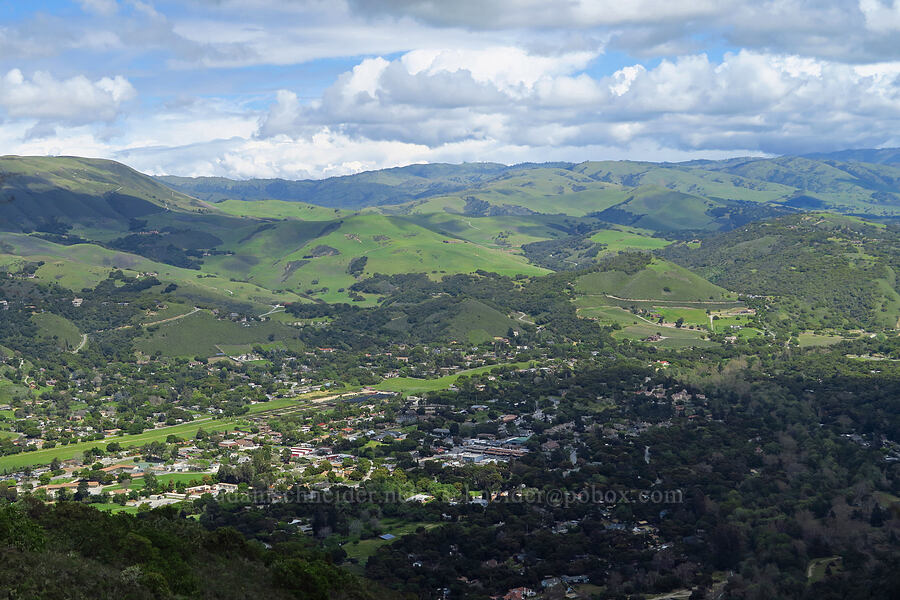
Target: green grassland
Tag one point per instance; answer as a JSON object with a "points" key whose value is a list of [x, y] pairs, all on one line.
{"points": [[58, 328], [8, 390], [589, 309], [672, 337], [621, 238], [35, 190], [690, 316], [280, 209], [114, 508], [292, 255], [634, 327], [170, 310], [686, 180], [201, 332], [411, 385], [808, 339], [85, 265], [138, 482], [506, 232], [541, 190], [660, 280]]}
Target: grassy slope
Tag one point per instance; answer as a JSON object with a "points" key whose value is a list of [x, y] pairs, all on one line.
{"points": [[682, 178], [391, 244], [84, 265], [542, 190], [33, 189], [410, 385], [55, 326], [661, 280], [623, 238], [200, 333], [280, 209]]}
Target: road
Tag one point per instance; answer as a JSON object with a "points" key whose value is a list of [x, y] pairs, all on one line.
{"points": [[667, 301], [169, 320], [275, 308], [84, 339]]}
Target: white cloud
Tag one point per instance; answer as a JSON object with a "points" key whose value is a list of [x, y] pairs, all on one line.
{"points": [[749, 100], [72, 101], [881, 16]]}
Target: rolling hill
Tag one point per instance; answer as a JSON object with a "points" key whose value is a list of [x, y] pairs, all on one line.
{"points": [[709, 193], [642, 278], [42, 193], [821, 269]]}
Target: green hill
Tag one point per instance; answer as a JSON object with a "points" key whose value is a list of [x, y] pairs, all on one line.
{"points": [[58, 329], [42, 192], [320, 258], [824, 269], [372, 188], [693, 195], [640, 277]]}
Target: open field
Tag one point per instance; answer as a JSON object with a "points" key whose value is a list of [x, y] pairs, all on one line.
{"points": [[808, 339], [660, 280], [280, 209], [626, 238], [410, 385], [138, 482], [56, 327], [200, 333], [673, 337], [361, 550]]}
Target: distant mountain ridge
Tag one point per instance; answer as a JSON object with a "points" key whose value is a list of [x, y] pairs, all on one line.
{"points": [[851, 181]]}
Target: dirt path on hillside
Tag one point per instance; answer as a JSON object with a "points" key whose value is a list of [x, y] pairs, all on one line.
{"points": [[169, 320], [662, 300], [84, 339]]}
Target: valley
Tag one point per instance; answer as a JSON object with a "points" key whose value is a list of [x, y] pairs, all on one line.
{"points": [[433, 377]]}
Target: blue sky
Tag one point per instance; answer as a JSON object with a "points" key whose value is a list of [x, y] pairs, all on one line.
{"points": [[314, 88]]}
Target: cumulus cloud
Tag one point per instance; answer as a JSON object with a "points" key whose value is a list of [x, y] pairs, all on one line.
{"points": [[424, 80], [748, 100], [76, 100]]}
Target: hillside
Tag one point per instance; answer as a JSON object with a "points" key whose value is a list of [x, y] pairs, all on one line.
{"points": [[710, 194], [372, 188], [95, 216], [637, 277], [823, 269], [42, 193]]}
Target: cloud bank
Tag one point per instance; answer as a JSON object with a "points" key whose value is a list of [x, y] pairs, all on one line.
{"points": [[307, 88]]}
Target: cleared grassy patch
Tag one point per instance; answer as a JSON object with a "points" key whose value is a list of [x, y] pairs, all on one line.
{"points": [[58, 328], [138, 482], [362, 550], [620, 239], [808, 340], [200, 333], [410, 385], [660, 280]]}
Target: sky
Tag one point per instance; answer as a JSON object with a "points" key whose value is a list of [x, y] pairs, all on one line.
{"points": [[318, 88]]}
